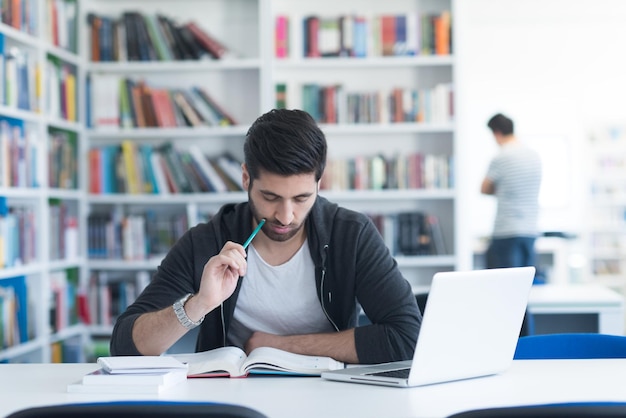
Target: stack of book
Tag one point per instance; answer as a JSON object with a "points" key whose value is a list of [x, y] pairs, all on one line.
{"points": [[132, 374]]}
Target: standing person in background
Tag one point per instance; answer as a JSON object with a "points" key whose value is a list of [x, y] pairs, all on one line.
{"points": [[514, 178]]}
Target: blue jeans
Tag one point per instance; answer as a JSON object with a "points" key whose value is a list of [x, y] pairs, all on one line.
{"points": [[513, 252]]}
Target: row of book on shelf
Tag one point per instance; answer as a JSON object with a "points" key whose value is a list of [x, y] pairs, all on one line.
{"points": [[61, 89], [62, 159], [17, 311], [109, 236], [61, 27], [163, 169], [18, 68], [110, 293], [21, 81], [150, 235], [136, 36], [334, 104], [413, 233], [20, 73], [359, 35], [140, 236], [68, 300], [19, 234], [18, 244], [398, 172], [22, 156], [60, 22], [70, 350], [145, 169], [68, 305], [21, 15], [64, 231], [123, 102], [98, 302]]}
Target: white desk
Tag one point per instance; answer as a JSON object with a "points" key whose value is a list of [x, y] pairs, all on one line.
{"points": [[581, 299], [526, 382]]}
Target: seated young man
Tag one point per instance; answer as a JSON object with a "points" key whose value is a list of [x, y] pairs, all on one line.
{"points": [[296, 287]]}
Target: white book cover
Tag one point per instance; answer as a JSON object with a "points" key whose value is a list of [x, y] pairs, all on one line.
{"points": [[412, 33], [79, 387], [168, 378], [140, 364]]}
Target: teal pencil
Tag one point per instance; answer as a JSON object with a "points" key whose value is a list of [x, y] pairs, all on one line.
{"points": [[253, 234]]}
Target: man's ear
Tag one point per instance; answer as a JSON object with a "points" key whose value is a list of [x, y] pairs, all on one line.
{"points": [[245, 176]]}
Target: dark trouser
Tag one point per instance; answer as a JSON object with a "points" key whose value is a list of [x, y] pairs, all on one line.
{"points": [[513, 252]]}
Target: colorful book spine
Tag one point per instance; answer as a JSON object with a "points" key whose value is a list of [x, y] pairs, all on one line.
{"points": [[20, 153], [14, 304], [281, 39]]}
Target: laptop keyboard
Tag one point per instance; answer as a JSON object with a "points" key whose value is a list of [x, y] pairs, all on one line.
{"points": [[399, 373]]}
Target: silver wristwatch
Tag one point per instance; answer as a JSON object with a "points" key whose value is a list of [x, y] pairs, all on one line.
{"points": [[179, 310]]}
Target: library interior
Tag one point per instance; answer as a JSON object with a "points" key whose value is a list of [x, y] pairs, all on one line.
{"points": [[122, 125]]}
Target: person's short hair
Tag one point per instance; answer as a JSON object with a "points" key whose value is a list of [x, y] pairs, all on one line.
{"points": [[500, 124], [285, 142]]}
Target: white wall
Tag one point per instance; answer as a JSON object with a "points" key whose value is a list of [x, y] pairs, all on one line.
{"points": [[556, 67]]}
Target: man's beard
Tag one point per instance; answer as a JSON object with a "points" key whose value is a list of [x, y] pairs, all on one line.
{"points": [[267, 228]]}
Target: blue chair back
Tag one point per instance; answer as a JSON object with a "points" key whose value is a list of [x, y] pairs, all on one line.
{"points": [[570, 346], [562, 410]]}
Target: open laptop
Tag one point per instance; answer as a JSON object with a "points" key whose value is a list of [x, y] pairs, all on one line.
{"points": [[470, 328]]}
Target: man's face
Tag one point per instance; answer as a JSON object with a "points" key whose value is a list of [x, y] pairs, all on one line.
{"points": [[284, 202]]}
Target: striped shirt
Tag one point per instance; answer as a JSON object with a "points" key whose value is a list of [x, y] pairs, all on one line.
{"points": [[516, 175]]}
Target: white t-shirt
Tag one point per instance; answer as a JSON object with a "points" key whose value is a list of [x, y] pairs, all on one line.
{"points": [[278, 300]]}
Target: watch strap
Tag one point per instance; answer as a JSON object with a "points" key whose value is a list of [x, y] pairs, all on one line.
{"points": [[181, 314]]}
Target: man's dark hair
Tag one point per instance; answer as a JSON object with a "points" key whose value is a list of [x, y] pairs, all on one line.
{"points": [[500, 124], [285, 142]]}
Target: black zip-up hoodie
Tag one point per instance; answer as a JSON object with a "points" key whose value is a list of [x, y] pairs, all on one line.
{"points": [[352, 264]]}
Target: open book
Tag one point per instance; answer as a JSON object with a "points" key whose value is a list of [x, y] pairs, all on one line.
{"points": [[233, 362]]}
